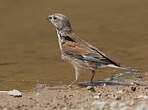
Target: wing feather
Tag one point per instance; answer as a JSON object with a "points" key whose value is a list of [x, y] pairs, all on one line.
{"points": [[82, 50]]}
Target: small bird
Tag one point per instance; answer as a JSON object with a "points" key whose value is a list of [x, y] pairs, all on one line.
{"points": [[78, 52]]}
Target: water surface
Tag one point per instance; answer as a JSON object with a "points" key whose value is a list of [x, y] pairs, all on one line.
{"points": [[29, 52]]}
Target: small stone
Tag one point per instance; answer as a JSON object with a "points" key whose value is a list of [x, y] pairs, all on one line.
{"points": [[15, 93], [141, 96], [96, 97], [64, 108], [132, 102], [54, 107], [70, 95], [118, 98], [132, 83], [99, 94], [133, 88], [90, 88], [104, 84], [120, 92], [37, 94], [136, 83]]}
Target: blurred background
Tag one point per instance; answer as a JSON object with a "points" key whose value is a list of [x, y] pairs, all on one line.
{"points": [[29, 52]]}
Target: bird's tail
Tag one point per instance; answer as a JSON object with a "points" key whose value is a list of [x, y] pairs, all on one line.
{"points": [[128, 68], [124, 67], [116, 65]]}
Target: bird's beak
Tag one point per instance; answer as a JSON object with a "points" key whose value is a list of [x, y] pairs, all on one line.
{"points": [[47, 19]]}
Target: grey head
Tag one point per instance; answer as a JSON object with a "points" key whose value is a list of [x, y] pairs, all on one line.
{"points": [[60, 22]]}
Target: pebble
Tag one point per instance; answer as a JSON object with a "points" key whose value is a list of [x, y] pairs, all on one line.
{"points": [[118, 97], [132, 102], [141, 96], [64, 108], [90, 88], [96, 97], [120, 92], [104, 84], [133, 88], [37, 94], [15, 93]]}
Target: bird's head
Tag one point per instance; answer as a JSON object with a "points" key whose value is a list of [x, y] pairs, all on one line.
{"points": [[60, 21]]}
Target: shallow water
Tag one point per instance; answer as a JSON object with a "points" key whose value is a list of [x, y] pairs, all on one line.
{"points": [[29, 52]]}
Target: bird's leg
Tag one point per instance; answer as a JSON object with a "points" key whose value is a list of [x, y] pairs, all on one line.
{"points": [[92, 77], [76, 75]]}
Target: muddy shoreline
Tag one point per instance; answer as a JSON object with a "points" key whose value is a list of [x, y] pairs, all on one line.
{"points": [[115, 95]]}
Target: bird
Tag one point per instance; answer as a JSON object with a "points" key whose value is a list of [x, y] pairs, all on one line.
{"points": [[78, 52]]}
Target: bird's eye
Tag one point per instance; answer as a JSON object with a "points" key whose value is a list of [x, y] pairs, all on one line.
{"points": [[54, 18]]}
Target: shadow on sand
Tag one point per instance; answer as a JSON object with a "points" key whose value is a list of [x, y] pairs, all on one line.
{"points": [[102, 83]]}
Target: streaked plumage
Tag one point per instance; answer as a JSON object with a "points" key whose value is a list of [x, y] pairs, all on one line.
{"points": [[78, 52]]}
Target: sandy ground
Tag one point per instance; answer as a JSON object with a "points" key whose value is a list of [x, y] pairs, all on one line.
{"points": [[104, 95]]}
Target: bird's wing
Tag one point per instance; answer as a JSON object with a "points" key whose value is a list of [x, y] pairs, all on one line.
{"points": [[78, 48], [74, 45]]}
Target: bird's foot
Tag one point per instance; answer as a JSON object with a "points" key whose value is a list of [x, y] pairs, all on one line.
{"points": [[91, 83]]}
